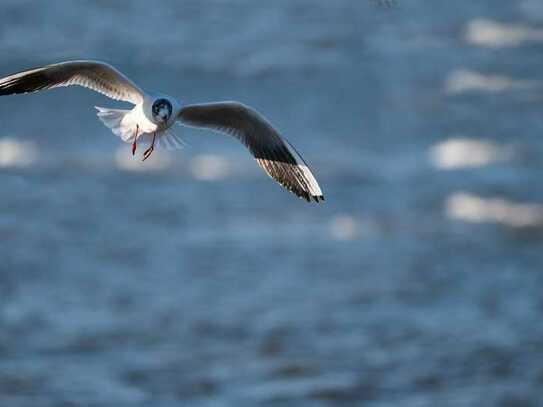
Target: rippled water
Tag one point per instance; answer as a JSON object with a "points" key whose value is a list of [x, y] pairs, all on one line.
{"points": [[194, 280]]}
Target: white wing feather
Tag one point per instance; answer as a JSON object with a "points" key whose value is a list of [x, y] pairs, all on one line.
{"points": [[272, 152], [94, 75]]}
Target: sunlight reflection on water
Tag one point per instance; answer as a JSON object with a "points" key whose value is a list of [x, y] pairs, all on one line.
{"points": [[464, 80], [489, 33], [209, 167], [472, 208], [16, 153], [158, 161], [465, 152]]}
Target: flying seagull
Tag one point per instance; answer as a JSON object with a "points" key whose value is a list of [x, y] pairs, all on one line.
{"points": [[154, 114]]}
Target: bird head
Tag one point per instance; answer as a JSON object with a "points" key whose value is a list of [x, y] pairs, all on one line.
{"points": [[162, 111]]}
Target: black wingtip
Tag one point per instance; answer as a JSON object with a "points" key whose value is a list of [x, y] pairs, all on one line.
{"points": [[318, 198]]}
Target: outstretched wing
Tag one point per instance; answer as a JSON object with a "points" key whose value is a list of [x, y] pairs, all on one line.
{"points": [[272, 152], [94, 75]]}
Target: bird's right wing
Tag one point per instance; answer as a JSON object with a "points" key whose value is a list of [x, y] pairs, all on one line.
{"points": [[272, 152], [94, 75]]}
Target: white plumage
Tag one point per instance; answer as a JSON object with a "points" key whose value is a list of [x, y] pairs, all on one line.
{"points": [[119, 121], [155, 114]]}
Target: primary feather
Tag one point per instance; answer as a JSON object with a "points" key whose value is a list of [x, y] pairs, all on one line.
{"points": [[94, 75], [272, 152]]}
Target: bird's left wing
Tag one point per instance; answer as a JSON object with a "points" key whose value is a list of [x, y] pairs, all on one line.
{"points": [[94, 75], [272, 152]]}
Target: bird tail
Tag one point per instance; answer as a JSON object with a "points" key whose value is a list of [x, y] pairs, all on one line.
{"points": [[119, 121]]}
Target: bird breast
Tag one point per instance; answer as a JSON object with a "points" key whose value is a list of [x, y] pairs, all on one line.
{"points": [[144, 119]]}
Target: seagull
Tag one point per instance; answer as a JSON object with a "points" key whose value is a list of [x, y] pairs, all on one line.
{"points": [[154, 114]]}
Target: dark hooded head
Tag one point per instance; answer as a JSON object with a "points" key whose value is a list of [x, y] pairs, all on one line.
{"points": [[162, 110]]}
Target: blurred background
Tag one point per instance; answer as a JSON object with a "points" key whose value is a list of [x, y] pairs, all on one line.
{"points": [[195, 280]]}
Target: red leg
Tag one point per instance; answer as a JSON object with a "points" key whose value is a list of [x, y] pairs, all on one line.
{"points": [[135, 139], [147, 153]]}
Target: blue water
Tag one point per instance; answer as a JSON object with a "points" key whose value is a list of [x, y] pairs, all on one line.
{"points": [[195, 280]]}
